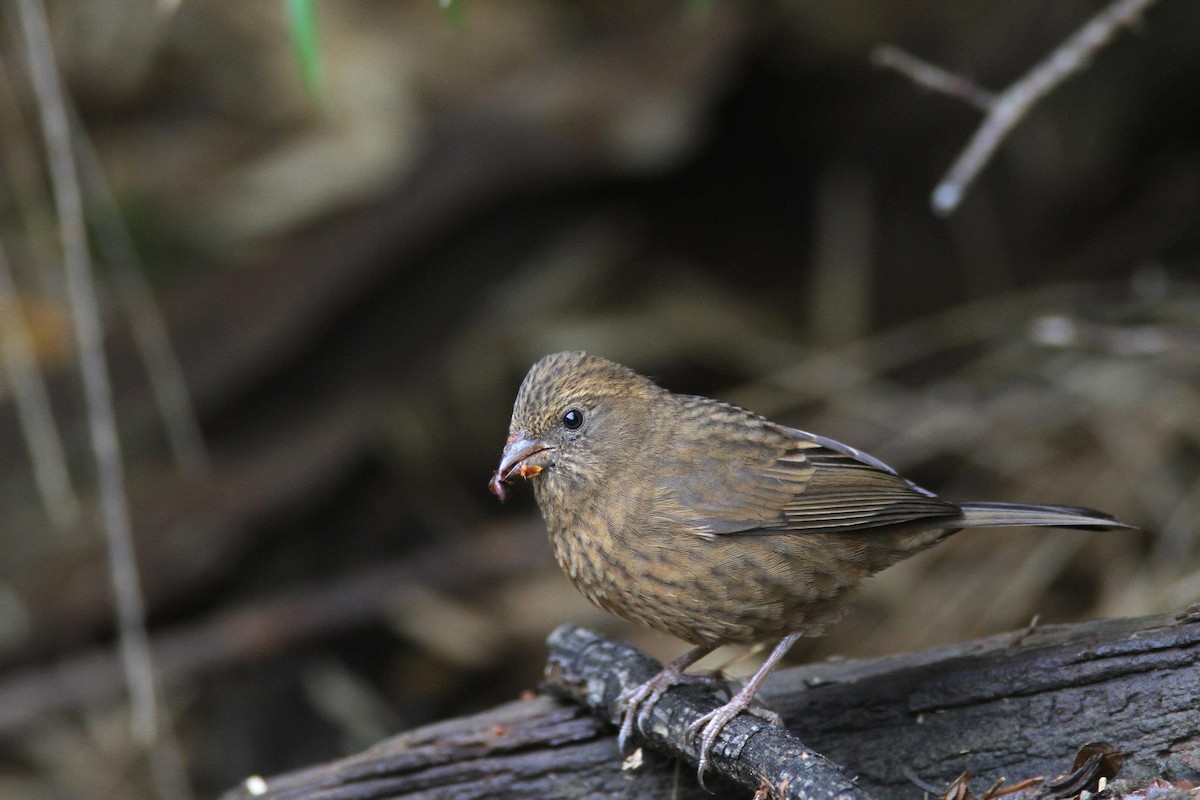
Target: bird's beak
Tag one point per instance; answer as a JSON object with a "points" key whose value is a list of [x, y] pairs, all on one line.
{"points": [[520, 459]]}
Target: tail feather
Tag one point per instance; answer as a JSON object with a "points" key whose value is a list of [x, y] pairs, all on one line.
{"points": [[997, 515]]}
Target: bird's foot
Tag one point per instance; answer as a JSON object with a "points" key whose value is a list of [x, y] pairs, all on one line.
{"points": [[711, 724], [640, 701]]}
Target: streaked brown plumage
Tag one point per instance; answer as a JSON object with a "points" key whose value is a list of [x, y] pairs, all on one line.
{"points": [[708, 522]]}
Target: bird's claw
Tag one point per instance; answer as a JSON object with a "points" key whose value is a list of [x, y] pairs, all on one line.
{"points": [[711, 724], [640, 701]]}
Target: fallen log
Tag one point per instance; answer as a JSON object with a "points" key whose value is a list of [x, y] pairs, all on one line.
{"points": [[1010, 706]]}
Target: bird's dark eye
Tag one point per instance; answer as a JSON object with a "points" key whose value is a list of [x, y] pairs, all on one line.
{"points": [[572, 419]]}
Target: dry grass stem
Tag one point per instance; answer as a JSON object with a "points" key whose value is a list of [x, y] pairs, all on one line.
{"points": [[131, 624]]}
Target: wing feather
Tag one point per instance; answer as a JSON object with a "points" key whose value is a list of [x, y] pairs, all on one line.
{"points": [[768, 478]]}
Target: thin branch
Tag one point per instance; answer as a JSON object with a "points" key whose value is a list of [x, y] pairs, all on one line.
{"points": [[934, 78], [85, 314], [1010, 107], [46, 452]]}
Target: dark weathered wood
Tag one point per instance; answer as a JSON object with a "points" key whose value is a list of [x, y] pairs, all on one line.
{"points": [[537, 748], [1014, 705], [595, 671]]}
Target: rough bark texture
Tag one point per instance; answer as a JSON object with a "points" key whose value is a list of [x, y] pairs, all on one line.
{"points": [[596, 671], [1015, 706], [537, 748]]}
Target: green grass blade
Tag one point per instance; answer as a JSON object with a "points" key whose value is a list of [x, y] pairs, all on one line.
{"points": [[302, 18]]}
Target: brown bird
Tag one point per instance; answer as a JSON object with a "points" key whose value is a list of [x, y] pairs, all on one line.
{"points": [[708, 522]]}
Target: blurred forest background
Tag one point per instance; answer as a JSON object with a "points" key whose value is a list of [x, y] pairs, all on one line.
{"points": [[725, 195]]}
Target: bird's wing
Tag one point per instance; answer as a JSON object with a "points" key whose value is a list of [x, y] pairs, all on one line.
{"points": [[839, 487], [767, 478]]}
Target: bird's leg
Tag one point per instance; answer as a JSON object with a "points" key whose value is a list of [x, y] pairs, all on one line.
{"points": [[714, 721], [640, 700]]}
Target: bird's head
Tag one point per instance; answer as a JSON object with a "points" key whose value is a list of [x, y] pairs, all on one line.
{"points": [[577, 419]]}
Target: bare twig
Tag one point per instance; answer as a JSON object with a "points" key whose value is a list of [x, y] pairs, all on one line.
{"points": [[1005, 111], [131, 624], [32, 404], [934, 78]]}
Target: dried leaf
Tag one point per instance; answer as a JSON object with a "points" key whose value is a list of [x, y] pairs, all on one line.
{"points": [[1095, 760]]}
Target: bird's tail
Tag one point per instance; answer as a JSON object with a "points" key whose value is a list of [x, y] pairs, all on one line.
{"points": [[996, 515]]}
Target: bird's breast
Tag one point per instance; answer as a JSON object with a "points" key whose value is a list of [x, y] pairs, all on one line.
{"points": [[725, 589]]}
